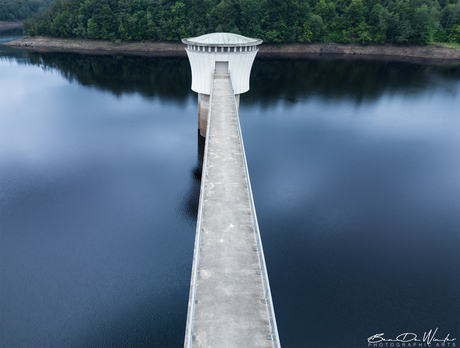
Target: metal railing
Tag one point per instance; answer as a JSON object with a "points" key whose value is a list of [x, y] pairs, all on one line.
{"points": [[196, 256], [274, 337]]}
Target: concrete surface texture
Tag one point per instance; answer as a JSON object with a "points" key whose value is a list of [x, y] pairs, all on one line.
{"points": [[203, 112], [222, 39], [202, 63], [222, 52], [229, 309]]}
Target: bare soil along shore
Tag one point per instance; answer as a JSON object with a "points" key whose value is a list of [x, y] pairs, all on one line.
{"points": [[10, 25], [437, 53], [53, 44]]}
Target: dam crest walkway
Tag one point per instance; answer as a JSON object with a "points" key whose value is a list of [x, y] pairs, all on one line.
{"points": [[230, 303]]}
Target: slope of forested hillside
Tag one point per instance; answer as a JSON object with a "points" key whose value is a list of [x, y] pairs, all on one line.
{"points": [[13, 10], [364, 21]]}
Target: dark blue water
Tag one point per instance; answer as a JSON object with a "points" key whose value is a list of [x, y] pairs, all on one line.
{"points": [[97, 208], [355, 168]]}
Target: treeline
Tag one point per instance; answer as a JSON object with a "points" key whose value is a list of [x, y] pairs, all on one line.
{"points": [[14, 10], [365, 21]]}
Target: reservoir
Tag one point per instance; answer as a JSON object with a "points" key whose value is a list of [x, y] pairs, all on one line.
{"points": [[354, 165]]}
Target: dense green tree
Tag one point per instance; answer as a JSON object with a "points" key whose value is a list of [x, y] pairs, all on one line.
{"points": [[454, 35], [251, 17], [178, 21], [425, 24], [59, 25], [13, 10], [379, 18], [316, 25], [363, 21], [306, 34], [354, 13]]}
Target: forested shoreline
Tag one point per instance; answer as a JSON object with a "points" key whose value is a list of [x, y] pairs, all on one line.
{"points": [[437, 53], [14, 10], [418, 22]]}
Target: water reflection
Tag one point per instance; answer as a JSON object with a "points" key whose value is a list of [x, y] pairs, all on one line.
{"points": [[357, 195], [10, 35], [166, 78], [150, 77], [273, 80], [97, 241], [354, 167], [10, 54]]}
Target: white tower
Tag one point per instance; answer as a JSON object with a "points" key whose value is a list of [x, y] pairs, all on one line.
{"points": [[223, 53]]}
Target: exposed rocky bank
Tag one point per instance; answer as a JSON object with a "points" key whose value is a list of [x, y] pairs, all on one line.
{"points": [[437, 53]]}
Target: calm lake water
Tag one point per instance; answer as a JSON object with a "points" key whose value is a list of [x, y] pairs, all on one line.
{"points": [[355, 168]]}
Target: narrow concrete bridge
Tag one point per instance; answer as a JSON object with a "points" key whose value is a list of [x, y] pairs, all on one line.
{"points": [[230, 303]]}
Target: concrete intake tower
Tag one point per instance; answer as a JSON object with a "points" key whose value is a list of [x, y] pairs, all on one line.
{"points": [[230, 303], [219, 53]]}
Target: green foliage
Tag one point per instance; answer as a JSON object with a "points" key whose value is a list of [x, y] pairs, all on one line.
{"points": [[364, 37], [177, 22], [354, 13], [14, 10], [454, 36], [453, 45], [277, 21], [425, 24], [317, 27], [441, 35], [306, 35], [379, 19], [340, 36], [59, 25]]}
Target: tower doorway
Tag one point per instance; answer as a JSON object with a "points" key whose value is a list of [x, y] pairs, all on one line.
{"points": [[221, 67]]}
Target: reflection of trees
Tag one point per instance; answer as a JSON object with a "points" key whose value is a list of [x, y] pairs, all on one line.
{"points": [[14, 55], [168, 78], [273, 79]]}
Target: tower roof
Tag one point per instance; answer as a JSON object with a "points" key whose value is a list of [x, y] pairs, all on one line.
{"points": [[221, 39]]}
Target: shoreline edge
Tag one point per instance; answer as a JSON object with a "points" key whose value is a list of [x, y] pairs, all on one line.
{"points": [[438, 53]]}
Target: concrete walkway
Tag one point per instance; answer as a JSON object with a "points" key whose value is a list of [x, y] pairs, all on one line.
{"points": [[229, 309]]}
